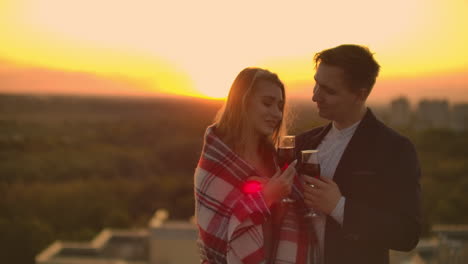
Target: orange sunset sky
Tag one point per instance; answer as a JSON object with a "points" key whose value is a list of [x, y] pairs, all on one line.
{"points": [[196, 48]]}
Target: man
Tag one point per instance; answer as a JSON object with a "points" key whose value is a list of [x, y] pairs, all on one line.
{"points": [[368, 194]]}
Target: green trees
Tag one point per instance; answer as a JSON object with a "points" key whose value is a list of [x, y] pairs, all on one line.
{"points": [[444, 161], [70, 167]]}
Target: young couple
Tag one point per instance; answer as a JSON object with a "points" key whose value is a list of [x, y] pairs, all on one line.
{"points": [[368, 195]]}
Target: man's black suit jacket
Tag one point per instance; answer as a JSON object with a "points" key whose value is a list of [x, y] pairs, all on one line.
{"points": [[379, 176]]}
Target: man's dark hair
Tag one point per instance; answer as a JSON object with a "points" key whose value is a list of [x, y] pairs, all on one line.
{"points": [[357, 62]]}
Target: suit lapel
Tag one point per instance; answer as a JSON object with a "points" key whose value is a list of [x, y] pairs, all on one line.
{"points": [[313, 142], [359, 144]]}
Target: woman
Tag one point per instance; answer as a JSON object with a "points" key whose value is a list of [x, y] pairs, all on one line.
{"points": [[236, 224]]}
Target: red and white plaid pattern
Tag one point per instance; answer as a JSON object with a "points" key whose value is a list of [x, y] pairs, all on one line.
{"points": [[230, 221]]}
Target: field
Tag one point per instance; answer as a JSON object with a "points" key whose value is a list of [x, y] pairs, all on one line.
{"points": [[70, 166]]}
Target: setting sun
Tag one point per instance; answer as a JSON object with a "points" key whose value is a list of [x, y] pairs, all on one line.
{"points": [[197, 48]]}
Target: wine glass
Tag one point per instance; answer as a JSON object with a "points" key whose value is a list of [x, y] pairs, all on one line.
{"points": [[310, 167], [286, 156]]}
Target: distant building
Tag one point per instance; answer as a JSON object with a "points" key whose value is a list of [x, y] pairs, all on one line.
{"points": [[108, 247], [460, 117], [453, 243], [433, 114], [450, 245], [429, 114], [400, 112], [165, 242], [424, 253], [174, 242]]}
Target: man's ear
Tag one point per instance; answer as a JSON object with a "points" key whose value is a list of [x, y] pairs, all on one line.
{"points": [[363, 94]]}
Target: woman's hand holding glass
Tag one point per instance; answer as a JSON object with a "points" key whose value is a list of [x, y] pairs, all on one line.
{"points": [[280, 185]]}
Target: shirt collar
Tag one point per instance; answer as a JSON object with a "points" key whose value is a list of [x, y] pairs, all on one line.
{"points": [[346, 132]]}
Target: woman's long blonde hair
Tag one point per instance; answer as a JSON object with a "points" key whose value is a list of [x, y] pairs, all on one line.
{"points": [[232, 118]]}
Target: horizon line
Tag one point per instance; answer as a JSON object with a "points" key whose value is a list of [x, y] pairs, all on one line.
{"points": [[296, 99]]}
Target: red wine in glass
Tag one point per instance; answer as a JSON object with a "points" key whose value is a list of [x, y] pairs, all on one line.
{"points": [[310, 167], [286, 156]]}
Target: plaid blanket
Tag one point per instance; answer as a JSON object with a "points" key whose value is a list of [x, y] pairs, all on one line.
{"points": [[230, 221]]}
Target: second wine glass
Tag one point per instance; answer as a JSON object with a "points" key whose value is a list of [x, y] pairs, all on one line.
{"points": [[310, 167]]}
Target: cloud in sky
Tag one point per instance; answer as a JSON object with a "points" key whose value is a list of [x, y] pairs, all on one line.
{"points": [[18, 79]]}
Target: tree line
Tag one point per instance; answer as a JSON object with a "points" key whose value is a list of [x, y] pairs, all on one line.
{"points": [[71, 166]]}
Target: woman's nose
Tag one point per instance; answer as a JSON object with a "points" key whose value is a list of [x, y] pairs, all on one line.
{"points": [[277, 112]]}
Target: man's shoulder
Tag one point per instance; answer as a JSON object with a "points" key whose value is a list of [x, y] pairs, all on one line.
{"points": [[389, 135]]}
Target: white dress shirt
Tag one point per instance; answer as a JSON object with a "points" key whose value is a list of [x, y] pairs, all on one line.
{"points": [[330, 151]]}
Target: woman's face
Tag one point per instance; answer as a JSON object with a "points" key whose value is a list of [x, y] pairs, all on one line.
{"points": [[264, 109]]}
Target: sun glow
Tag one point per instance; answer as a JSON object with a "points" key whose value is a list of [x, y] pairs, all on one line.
{"points": [[198, 50]]}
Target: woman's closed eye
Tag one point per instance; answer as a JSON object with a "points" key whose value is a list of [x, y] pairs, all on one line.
{"points": [[267, 102]]}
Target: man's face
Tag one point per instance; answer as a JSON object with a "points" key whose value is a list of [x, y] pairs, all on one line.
{"points": [[334, 99]]}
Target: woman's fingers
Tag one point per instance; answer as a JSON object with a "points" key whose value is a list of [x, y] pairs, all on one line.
{"points": [[278, 169], [277, 173], [280, 184], [293, 173], [289, 173]]}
